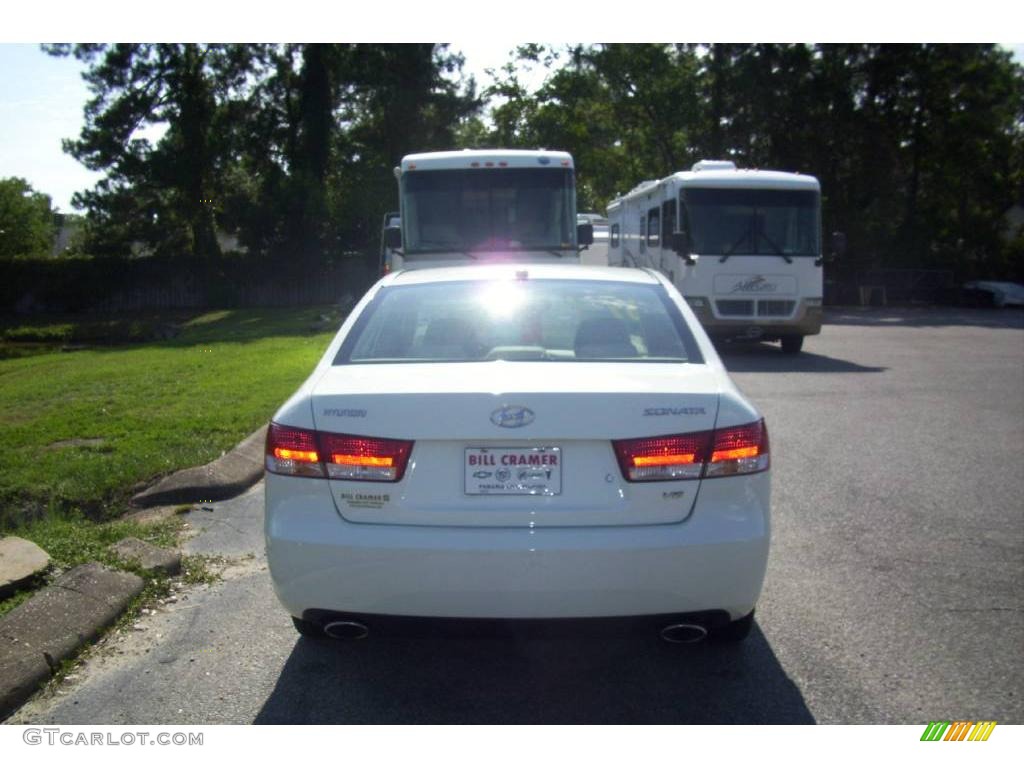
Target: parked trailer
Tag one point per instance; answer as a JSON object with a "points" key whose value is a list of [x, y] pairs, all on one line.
{"points": [[743, 247], [485, 205]]}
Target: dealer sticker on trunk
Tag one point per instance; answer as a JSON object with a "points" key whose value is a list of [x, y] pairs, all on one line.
{"points": [[513, 471]]}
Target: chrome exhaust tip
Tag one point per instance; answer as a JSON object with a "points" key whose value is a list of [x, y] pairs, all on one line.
{"points": [[684, 634], [346, 630]]}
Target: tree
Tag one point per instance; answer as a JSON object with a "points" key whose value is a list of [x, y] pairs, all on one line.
{"points": [[288, 146], [26, 221], [164, 195], [315, 143], [401, 98]]}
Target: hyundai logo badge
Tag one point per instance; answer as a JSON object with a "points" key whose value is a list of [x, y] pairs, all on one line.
{"points": [[512, 416]]}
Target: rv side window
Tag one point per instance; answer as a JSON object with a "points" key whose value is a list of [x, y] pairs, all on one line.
{"points": [[614, 237], [668, 220], [653, 227], [643, 233]]}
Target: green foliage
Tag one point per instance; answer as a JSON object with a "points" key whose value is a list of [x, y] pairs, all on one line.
{"points": [[163, 196], [290, 147], [26, 221]]}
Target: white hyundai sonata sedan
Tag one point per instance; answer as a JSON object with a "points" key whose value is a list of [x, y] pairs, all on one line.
{"points": [[531, 441]]}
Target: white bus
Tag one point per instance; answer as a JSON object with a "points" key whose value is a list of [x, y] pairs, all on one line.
{"points": [[487, 205], [743, 247]]}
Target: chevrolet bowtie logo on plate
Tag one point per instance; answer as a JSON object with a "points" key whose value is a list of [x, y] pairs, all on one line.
{"points": [[512, 416]]}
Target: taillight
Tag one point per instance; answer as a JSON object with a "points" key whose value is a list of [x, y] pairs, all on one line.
{"points": [[349, 457], [308, 453], [739, 451], [672, 457], [293, 451], [723, 452]]}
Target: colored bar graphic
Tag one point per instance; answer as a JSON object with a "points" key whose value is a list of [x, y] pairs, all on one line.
{"points": [[982, 730], [958, 731]]}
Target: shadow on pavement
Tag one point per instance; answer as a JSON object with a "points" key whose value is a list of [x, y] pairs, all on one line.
{"points": [[755, 357], [538, 675], [925, 317]]}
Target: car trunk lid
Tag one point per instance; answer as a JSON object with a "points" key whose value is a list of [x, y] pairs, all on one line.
{"points": [[515, 443]]}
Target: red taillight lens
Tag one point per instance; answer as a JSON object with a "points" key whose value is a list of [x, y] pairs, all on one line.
{"points": [[293, 451], [723, 452], [739, 451], [672, 457], [307, 453], [349, 457]]}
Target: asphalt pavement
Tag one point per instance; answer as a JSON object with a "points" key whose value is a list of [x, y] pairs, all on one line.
{"points": [[893, 595]]}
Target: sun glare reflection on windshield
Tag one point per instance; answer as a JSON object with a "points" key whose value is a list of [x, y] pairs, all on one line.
{"points": [[502, 300]]}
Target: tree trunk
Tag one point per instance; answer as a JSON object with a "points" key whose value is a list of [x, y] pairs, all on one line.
{"points": [[196, 117]]}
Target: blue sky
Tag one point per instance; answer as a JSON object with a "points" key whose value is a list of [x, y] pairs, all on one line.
{"points": [[41, 100]]}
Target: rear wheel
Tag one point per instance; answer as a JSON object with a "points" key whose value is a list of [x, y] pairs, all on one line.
{"points": [[307, 628], [734, 631], [792, 345]]}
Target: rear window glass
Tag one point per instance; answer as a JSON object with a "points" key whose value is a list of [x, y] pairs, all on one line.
{"points": [[554, 320]]}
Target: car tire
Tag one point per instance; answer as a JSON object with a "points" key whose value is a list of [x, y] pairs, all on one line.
{"points": [[307, 628], [792, 345], [734, 631]]}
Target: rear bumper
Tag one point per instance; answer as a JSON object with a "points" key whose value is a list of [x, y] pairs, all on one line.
{"points": [[715, 560]]}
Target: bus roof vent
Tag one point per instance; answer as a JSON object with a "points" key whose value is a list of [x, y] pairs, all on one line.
{"points": [[714, 165]]}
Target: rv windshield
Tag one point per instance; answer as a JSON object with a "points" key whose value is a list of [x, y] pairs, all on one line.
{"points": [[498, 209], [770, 222]]}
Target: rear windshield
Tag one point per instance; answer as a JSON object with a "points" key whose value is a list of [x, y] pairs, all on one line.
{"points": [[547, 320]]}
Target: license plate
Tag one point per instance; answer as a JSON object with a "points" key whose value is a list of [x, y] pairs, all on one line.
{"points": [[513, 471]]}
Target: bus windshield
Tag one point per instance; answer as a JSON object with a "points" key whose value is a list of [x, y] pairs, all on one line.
{"points": [[498, 209], [770, 222]]}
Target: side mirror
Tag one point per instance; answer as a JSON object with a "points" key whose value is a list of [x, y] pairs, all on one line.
{"points": [[393, 237], [584, 234], [680, 243]]}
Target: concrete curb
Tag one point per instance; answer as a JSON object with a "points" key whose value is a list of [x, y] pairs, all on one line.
{"points": [[148, 556], [222, 478], [54, 623]]}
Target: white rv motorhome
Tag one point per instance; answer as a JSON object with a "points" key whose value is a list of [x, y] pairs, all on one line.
{"points": [[743, 247], [488, 205]]}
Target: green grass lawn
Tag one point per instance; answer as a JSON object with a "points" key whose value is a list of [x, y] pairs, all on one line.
{"points": [[83, 428]]}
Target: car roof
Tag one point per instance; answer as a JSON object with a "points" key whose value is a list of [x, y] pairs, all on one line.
{"points": [[511, 270]]}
